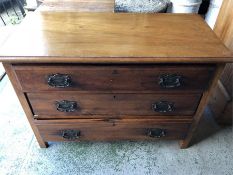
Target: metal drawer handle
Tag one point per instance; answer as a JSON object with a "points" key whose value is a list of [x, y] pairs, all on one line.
{"points": [[163, 106], [70, 134], [156, 133], [170, 81], [59, 80], [67, 106]]}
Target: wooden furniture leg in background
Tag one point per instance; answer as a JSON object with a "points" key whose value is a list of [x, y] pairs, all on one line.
{"points": [[221, 101]]}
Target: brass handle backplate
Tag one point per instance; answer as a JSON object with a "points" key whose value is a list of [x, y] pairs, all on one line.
{"points": [[70, 134], [59, 80], [67, 106], [170, 81], [156, 132], [163, 106]]}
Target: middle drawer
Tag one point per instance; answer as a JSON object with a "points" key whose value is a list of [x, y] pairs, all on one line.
{"points": [[71, 104]]}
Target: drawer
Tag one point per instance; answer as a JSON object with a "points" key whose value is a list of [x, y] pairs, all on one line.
{"points": [[71, 104], [35, 78], [110, 130]]}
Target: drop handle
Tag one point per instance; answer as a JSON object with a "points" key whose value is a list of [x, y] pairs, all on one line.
{"points": [[163, 106], [59, 80], [71, 134], [156, 132], [168, 81], [67, 106]]}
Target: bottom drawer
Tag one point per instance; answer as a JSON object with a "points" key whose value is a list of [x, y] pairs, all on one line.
{"points": [[111, 130]]}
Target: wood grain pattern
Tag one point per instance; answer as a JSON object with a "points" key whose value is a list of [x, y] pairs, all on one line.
{"points": [[200, 110], [224, 24], [111, 104], [113, 130], [224, 30], [222, 107], [120, 104], [114, 38], [227, 78], [226, 117], [219, 100], [110, 78], [77, 6]]}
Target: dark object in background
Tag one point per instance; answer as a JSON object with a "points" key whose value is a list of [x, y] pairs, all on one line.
{"points": [[204, 7], [2, 19], [12, 8], [20, 4]]}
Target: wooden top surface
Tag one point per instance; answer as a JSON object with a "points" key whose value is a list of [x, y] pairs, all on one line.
{"points": [[77, 6], [114, 38]]}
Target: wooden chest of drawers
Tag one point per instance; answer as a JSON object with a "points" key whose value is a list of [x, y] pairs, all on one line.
{"points": [[104, 77]]}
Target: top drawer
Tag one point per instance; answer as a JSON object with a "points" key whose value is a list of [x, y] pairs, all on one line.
{"points": [[113, 78]]}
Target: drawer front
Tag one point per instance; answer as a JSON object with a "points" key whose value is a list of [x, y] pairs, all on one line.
{"points": [[113, 78], [100, 130], [70, 104]]}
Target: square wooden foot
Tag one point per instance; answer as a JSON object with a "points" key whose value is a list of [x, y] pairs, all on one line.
{"points": [[43, 144], [183, 144]]}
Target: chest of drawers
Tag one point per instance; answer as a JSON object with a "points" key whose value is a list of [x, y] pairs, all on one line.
{"points": [[107, 77]]}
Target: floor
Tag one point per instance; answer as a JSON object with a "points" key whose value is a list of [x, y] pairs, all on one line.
{"points": [[2, 72], [20, 155], [10, 17], [5, 31]]}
